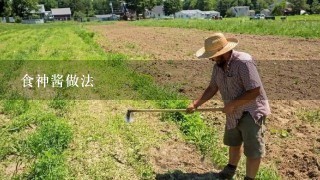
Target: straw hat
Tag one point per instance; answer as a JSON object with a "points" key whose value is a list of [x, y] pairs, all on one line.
{"points": [[216, 45]]}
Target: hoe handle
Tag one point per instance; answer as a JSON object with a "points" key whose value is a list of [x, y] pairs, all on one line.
{"points": [[174, 110]]}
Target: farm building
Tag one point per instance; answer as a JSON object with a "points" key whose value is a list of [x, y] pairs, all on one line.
{"points": [[8, 19], [37, 16], [252, 12], [41, 11], [61, 14], [266, 12], [210, 14], [189, 14], [157, 12], [240, 10]]}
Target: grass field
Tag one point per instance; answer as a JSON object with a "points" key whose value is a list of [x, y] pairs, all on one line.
{"points": [[294, 26], [71, 139]]}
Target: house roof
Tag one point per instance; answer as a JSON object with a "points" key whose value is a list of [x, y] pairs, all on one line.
{"points": [[190, 11], [40, 9], [61, 11], [157, 9], [210, 12]]}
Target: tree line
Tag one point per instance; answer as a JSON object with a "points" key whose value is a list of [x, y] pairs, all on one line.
{"points": [[89, 8]]}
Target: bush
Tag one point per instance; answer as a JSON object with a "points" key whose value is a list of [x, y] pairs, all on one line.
{"points": [[18, 19], [278, 10], [229, 13], [55, 135], [48, 166], [16, 105], [78, 16]]}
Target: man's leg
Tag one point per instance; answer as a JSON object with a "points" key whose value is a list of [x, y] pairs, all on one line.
{"points": [[234, 155], [233, 139], [252, 167], [254, 145]]}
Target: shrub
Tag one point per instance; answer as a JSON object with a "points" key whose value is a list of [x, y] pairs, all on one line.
{"points": [[48, 166], [18, 19], [55, 135], [229, 13]]}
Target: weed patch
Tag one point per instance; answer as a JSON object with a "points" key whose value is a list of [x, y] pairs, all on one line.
{"points": [[312, 116], [54, 134]]}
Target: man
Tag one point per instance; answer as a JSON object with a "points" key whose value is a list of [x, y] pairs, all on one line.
{"points": [[245, 102]]}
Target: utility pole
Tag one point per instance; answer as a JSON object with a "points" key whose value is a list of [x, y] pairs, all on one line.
{"points": [[111, 9]]}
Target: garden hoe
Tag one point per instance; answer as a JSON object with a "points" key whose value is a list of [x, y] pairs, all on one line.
{"points": [[129, 117]]}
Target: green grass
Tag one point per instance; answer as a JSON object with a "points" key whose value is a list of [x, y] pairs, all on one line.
{"points": [[41, 136], [294, 26]]}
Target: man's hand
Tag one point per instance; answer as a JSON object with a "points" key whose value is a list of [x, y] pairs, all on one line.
{"points": [[229, 108], [191, 108]]}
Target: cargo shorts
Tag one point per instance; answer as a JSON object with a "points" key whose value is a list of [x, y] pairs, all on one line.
{"points": [[250, 133]]}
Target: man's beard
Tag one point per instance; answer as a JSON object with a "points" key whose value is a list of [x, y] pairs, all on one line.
{"points": [[221, 62]]}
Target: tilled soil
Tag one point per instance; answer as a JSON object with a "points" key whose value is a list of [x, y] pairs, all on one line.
{"points": [[292, 144]]}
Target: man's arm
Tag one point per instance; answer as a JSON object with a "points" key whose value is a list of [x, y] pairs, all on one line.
{"points": [[207, 94], [244, 99], [251, 81]]}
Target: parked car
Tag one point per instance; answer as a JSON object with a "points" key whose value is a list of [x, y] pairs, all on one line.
{"points": [[258, 16], [262, 16]]}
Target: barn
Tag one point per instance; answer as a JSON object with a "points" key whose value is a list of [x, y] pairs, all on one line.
{"points": [[61, 14]]}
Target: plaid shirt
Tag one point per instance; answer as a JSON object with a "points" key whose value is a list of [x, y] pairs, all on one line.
{"points": [[241, 77]]}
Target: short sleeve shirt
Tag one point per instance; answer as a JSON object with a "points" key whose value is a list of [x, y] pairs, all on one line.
{"points": [[241, 76]]}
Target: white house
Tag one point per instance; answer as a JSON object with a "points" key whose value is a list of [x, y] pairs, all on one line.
{"points": [[209, 14], [240, 11], [157, 12], [189, 14]]}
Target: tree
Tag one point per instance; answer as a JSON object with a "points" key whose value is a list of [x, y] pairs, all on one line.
{"points": [[171, 6], [299, 5], [48, 4], [2, 6], [278, 10], [315, 8], [23, 7], [140, 5], [88, 8], [207, 5], [101, 6], [261, 4], [186, 4], [224, 5]]}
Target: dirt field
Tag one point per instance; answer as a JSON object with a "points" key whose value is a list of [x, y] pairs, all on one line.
{"points": [[293, 144]]}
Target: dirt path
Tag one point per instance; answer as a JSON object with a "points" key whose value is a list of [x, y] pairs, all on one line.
{"points": [[296, 155]]}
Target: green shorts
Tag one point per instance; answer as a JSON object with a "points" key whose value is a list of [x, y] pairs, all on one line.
{"points": [[250, 134]]}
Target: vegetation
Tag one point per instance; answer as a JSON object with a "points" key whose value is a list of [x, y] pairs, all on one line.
{"points": [[22, 8], [39, 134], [295, 26], [312, 116], [171, 7]]}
